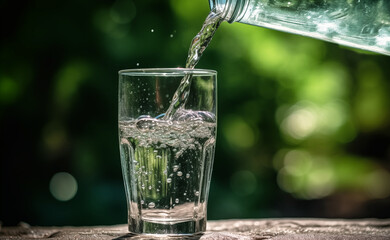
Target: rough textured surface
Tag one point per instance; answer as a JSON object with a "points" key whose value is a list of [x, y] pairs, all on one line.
{"points": [[275, 229]]}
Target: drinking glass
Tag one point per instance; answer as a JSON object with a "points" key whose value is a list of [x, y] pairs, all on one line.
{"points": [[167, 162]]}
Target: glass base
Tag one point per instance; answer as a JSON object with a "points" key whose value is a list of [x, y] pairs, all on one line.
{"points": [[191, 227]]}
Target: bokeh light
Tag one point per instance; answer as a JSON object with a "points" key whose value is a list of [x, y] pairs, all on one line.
{"points": [[63, 186]]}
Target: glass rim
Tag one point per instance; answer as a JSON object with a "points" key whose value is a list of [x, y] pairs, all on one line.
{"points": [[166, 72]]}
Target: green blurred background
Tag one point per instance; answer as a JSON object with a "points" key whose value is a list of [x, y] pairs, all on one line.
{"points": [[304, 126]]}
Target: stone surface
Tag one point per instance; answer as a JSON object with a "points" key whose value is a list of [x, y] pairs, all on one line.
{"points": [[275, 229]]}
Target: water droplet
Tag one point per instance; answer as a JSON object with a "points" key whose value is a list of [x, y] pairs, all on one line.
{"points": [[175, 168], [176, 200], [142, 202], [150, 187], [152, 30], [171, 35], [185, 194], [158, 190], [169, 180], [137, 64], [151, 205], [179, 173], [143, 186], [187, 175], [196, 193]]}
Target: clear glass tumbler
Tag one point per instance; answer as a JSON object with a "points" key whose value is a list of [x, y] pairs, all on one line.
{"points": [[167, 163]]}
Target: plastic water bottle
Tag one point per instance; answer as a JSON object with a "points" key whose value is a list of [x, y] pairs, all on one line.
{"points": [[363, 24]]}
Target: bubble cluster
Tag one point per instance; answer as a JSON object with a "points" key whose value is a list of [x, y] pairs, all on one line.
{"points": [[184, 131]]}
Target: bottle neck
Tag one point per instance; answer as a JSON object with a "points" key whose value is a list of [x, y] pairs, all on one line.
{"points": [[232, 10]]}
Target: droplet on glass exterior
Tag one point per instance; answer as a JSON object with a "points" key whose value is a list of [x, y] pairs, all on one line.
{"points": [[151, 205], [179, 173], [169, 180]]}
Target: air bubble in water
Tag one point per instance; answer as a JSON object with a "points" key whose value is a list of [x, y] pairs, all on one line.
{"points": [[137, 64], [196, 193], [187, 175], [151, 205], [171, 35], [145, 123], [169, 180], [150, 187], [175, 168], [142, 202], [176, 200], [179, 173], [152, 30]]}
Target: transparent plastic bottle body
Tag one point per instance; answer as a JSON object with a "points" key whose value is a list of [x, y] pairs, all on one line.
{"points": [[363, 24]]}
